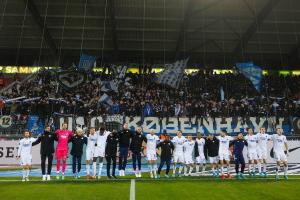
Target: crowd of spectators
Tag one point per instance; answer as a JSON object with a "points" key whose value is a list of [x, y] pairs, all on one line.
{"points": [[199, 94]]}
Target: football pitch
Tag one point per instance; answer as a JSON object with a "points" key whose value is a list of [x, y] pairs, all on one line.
{"points": [[172, 188]]}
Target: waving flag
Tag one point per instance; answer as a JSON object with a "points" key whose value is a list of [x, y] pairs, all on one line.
{"points": [[107, 86], [106, 100], [252, 72], [172, 74], [118, 74], [71, 79], [35, 125], [86, 62]]}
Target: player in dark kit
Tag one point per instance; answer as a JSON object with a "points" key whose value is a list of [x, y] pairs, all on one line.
{"points": [[136, 147], [124, 142], [238, 147], [47, 149], [111, 153], [167, 148], [212, 145], [77, 145]]}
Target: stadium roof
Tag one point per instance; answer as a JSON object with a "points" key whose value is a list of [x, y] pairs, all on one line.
{"points": [[210, 32]]}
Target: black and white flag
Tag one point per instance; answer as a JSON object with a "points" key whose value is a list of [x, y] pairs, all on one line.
{"points": [[118, 74], [172, 74], [71, 79], [107, 86]]}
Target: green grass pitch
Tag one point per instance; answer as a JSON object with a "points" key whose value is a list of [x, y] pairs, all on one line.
{"points": [[179, 188]]}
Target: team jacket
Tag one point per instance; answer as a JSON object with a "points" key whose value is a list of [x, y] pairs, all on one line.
{"points": [[167, 148], [111, 145], [77, 145], [47, 143], [212, 147], [238, 146], [124, 138], [137, 142]]}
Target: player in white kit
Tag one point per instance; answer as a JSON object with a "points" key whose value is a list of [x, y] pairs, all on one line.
{"points": [[280, 148], [200, 159], [99, 152], [224, 153], [90, 148], [252, 141], [152, 141], [178, 142], [188, 149], [25, 154], [262, 149]]}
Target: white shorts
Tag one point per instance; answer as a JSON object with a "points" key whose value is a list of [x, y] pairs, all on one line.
{"points": [[178, 158], [252, 155], [99, 152], [262, 154], [188, 159], [89, 154], [200, 159], [213, 160], [151, 156], [280, 156], [26, 160], [224, 156]]}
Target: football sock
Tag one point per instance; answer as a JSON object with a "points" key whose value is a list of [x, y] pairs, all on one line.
{"points": [[259, 167], [100, 168], [24, 173], [180, 169], [285, 170], [197, 168], [277, 170], [265, 167], [64, 164], [57, 166], [94, 168], [88, 167]]}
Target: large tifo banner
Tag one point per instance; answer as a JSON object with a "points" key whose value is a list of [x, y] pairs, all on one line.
{"points": [[9, 150], [193, 125]]}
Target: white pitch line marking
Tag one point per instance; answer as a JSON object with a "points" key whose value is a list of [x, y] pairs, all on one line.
{"points": [[132, 189]]}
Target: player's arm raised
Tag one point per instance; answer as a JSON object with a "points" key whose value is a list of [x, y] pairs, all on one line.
{"points": [[37, 141]]}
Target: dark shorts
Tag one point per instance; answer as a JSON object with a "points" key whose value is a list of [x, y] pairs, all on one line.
{"points": [[239, 159]]}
